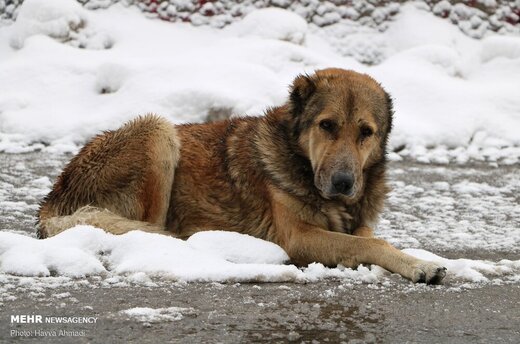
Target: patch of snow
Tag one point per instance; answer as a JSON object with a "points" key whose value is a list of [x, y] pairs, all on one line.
{"points": [[136, 256], [45, 258], [55, 19], [61, 295], [154, 315], [91, 249], [238, 248], [468, 269], [497, 47], [271, 23]]}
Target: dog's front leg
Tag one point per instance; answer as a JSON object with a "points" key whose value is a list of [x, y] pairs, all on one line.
{"points": [[307, 244]]}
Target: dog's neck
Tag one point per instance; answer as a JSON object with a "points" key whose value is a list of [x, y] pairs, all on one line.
{"points": [[281, 157]]}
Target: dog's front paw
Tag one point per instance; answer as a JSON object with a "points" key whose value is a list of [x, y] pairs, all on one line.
{"points": [[428, 272]]}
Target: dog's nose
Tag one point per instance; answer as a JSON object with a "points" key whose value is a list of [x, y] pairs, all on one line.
{"points": [[342, 182]]}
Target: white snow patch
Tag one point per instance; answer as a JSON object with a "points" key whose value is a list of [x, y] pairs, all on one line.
{"points": [[500, 47], [237, 248], [61, 295], [271, 23], [25, 256], [468, 269], [466, 187], [85, 250], [154, 315], [51, 18]]}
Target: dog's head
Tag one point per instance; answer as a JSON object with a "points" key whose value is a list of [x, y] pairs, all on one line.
{"points": [[340, 121]]}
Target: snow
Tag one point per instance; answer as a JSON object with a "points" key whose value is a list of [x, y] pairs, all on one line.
{"points": [[468, 269], [500, 47], [56, 19], [271, 23], [67, 73], [447, 209], [84, 250], [214, 256], [152, 315], [238, 248]]}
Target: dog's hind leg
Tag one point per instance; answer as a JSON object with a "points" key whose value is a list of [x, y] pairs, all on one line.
{"points": [[102, 218], [120, 181]]}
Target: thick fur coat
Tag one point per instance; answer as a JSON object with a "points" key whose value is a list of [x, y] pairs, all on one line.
{"points": [[308, 176]]}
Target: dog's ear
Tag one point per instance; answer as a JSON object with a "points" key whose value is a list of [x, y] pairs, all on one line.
{"points": [[390, 109], [301, 90]]}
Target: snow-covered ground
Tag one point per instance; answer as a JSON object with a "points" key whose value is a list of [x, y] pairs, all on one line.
{"points": [[85, 257], [66, 73], [431, 209]]}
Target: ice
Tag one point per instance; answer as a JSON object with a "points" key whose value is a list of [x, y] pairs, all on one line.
{"points": [[450, 209]]}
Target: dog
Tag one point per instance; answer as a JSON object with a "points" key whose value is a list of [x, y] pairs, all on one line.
{"points": [[308, 175]]}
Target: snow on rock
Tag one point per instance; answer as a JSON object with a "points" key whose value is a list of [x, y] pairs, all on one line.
{"points": [[207, 257], [63, 20], [271, 23], [55, 18], [110, 77]]}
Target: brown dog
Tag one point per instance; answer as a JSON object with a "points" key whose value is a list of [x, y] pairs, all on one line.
{"points": [[308, 176]]}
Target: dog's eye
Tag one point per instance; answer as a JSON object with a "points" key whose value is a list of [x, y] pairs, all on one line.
{"points": [[327, 125], [366, 132]]}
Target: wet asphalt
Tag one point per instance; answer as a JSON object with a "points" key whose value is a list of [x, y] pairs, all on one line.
{"points": [[281, 313]]}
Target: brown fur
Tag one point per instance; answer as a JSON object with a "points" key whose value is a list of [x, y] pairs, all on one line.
{"points": [[270, 177]]}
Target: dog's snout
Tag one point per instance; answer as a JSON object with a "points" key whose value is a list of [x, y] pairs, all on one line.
{"points": [[342, 182]]}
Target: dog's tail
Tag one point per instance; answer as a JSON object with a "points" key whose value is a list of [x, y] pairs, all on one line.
{"points": [[97, 217]]}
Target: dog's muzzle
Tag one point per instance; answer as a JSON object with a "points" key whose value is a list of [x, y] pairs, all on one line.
{"points": [[342, 183]]}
